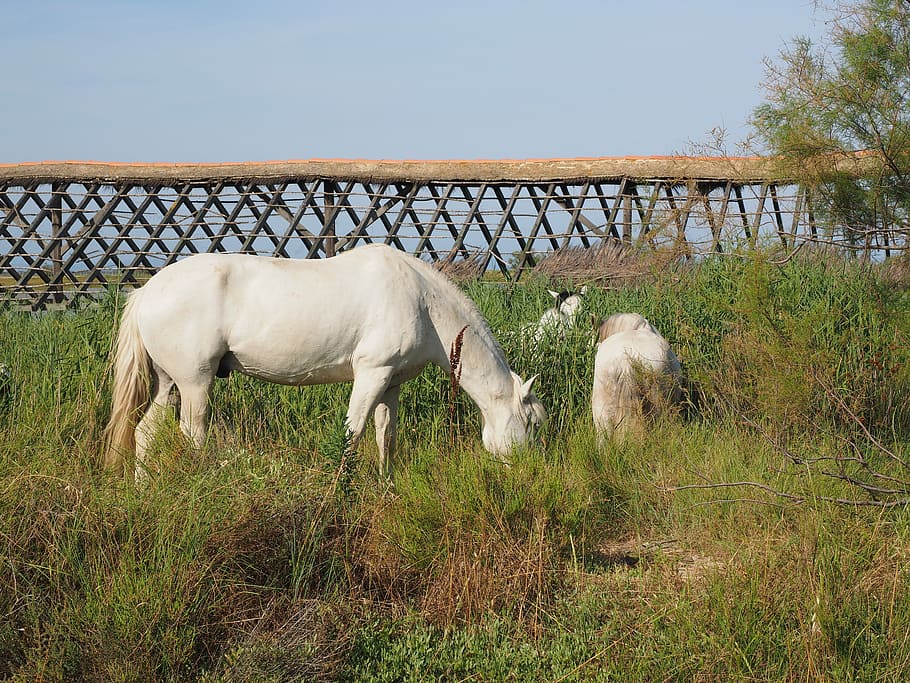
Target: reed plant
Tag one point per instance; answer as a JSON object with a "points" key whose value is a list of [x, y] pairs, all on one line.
{"points": [[713, 547]]}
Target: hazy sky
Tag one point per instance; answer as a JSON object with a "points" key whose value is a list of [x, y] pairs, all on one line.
{"points": [[223, 80]]}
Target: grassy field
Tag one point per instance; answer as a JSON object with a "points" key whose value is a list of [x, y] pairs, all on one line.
{"points": [[761, 534]]}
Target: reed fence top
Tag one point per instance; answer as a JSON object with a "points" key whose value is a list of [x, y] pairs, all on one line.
{"points": [[740, 169], [745, 169]]}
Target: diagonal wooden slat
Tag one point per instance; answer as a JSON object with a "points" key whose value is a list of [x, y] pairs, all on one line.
{"points": [[185, 237], [441, 211], [614, 211], [476, 214], [570, 204], [29, 234], [363, 222], [759, 209], [506, 219], [229, 226], [15, 215], [744, 217], [458, 246], [294, 227], [423, 231], [541, 221], [262, 228], [78, 248], [778, 218], [681, 216], [138, 219], [344, 207], [123, 236], [392, 227], [648, 216]]}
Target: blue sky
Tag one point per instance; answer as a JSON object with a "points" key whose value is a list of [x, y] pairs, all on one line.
{"points": [[210, 80]]}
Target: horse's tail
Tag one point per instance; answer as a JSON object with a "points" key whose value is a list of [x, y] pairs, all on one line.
{"points": [[615, 402], [626, 418], [132, 372]]}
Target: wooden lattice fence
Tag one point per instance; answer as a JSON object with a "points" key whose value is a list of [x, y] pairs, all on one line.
{"points": [[70, 229]]}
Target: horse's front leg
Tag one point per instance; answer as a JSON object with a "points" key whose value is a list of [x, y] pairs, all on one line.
{"points": [[370, 384], [386, 418]]}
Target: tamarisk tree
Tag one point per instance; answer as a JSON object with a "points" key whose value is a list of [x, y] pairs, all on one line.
{"points": [[838, 118]]}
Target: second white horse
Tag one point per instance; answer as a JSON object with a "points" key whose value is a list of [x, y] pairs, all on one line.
{"points": [[636, 374]]}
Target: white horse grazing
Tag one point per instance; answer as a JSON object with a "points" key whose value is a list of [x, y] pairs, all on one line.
{"points": [[561, 318], [636, 374], [373, 315]]}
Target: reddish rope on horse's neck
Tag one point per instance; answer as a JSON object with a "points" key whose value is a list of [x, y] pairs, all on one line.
{"points": [[455, 376]]}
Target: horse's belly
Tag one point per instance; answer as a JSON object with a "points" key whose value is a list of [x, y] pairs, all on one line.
{"points": [[293, 373]]}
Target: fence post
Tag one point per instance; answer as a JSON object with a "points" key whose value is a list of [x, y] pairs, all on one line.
{"points": [[329, 208], [626, 216], [55, 206]]}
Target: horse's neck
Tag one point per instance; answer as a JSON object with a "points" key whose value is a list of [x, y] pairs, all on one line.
{"points": [[482, 369]]}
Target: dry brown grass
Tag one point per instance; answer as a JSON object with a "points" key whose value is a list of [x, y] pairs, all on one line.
{"points": [[477, 571], [896, 270], [462, 270], [609, 264], [483, 573]]}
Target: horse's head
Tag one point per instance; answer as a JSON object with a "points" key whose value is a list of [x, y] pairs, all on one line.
{"points": [[569, 303], [519, 423]]}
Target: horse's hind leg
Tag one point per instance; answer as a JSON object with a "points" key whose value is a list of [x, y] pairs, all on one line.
{"points": [[150, 422], [194, 409], [386, 418]]}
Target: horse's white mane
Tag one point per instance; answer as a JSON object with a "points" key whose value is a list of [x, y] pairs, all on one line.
{"points": [[459, 300]]}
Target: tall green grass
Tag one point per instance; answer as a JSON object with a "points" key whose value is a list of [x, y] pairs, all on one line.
{"points": [[275, 554]]}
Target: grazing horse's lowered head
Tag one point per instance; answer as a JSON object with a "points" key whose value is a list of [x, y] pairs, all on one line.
{"points": [[372, 315], [509, 426]]}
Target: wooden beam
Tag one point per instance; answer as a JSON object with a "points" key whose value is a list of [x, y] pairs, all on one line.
{"points": [[742, 169]]}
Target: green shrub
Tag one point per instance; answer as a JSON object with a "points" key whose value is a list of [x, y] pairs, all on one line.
{"points": [[272, 555]]}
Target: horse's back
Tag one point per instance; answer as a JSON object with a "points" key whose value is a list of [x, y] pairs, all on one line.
{"points": [[347, 286], [286, 320], [618, 352], [623, 322]]}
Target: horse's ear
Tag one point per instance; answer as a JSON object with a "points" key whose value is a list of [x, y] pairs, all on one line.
{"points": [[555, 295], [526, 387]]}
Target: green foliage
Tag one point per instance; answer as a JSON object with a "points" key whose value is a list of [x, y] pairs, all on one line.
{"points": [[853, 94], [813, 333], [342, 460], [273, 555]]}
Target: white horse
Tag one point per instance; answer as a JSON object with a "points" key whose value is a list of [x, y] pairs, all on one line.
{"points": [[636, 374], [373, 315], [560, 318]]}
